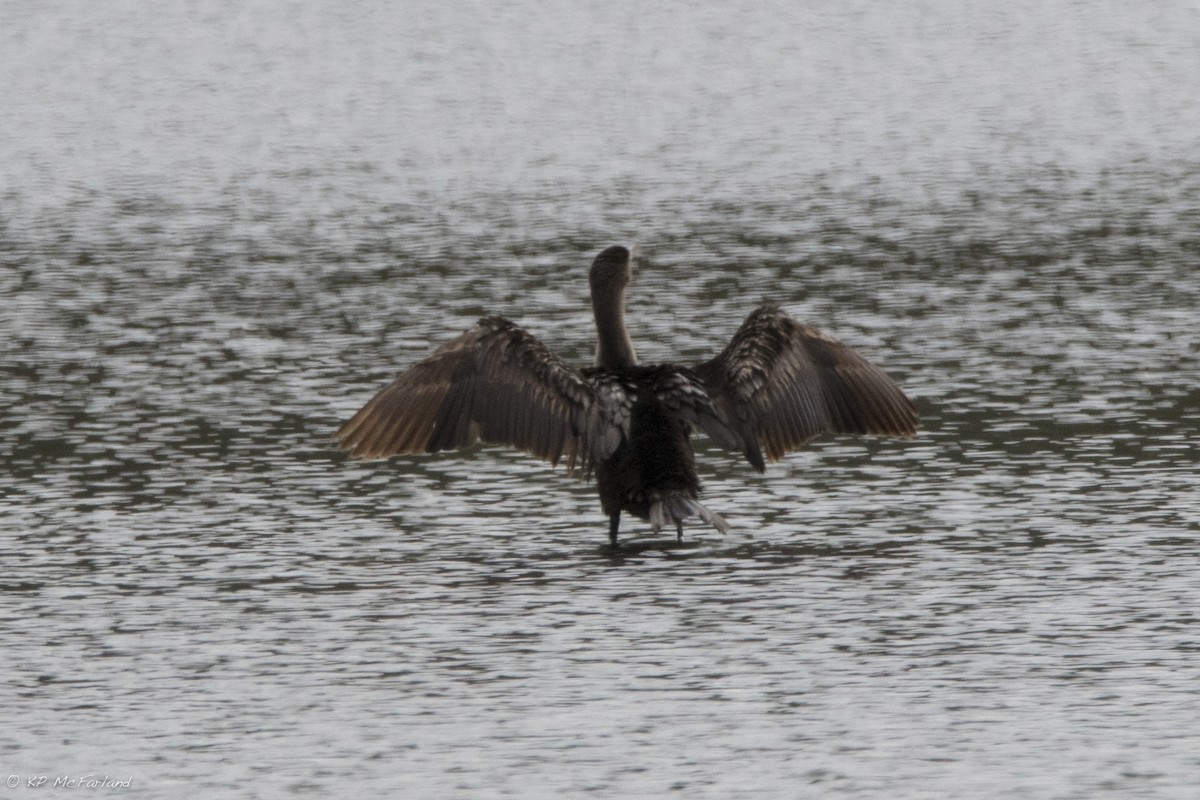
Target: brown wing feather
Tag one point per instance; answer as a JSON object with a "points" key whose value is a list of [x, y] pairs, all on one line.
{"points": [[495, 382], [779, 384]]}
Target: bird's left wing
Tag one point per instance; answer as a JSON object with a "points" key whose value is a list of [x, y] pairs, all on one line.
{"points": [[496, 383]]}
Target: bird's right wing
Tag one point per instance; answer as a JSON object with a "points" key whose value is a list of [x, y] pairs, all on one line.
{"points": [[780, 383], [496, 383]]}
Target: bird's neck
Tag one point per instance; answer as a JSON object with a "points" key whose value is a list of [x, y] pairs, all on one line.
{"points": [[613, 346]]}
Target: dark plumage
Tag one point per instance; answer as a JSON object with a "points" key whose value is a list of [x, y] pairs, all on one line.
{"points": [[777, 385]]}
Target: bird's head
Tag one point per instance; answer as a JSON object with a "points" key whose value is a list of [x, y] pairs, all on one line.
{"points": [[611, 269]]}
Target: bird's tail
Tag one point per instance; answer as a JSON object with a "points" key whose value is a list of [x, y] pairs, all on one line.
{"points": [[672, 509]]}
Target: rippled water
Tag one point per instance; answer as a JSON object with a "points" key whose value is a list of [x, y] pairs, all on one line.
{"points": [[221, 230]]}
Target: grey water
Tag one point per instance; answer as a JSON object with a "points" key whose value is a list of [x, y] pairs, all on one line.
{"points": [[224, 225]]}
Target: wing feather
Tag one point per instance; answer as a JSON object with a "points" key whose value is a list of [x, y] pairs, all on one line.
{"points": [[780, 383], [496, 383]]}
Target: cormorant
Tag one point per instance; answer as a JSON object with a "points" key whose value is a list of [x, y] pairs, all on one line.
{"points": [[776, 385]]}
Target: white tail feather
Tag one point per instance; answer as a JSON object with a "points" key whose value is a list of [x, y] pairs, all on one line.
{"points": [[669, 510]]}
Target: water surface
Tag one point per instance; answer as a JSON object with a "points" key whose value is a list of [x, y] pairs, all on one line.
{"points": [[221, 230]]}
